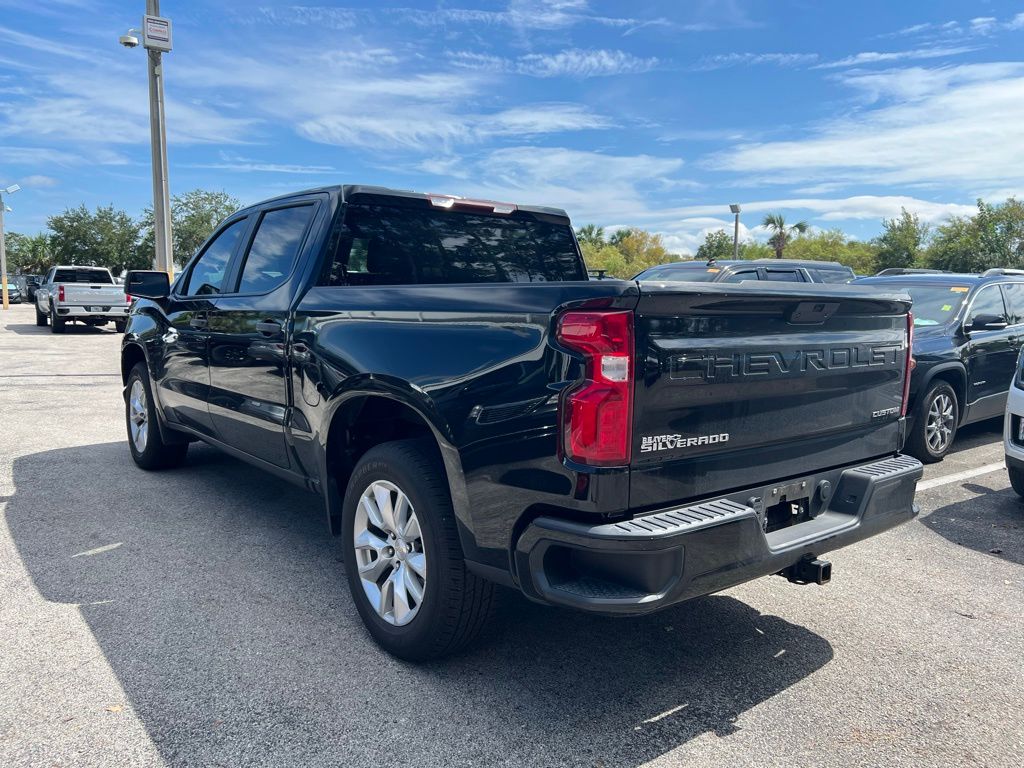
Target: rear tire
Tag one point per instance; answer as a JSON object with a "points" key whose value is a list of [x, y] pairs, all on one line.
{"points": [[400, 564], [1016, 480], [146, 443], [120, 325], [936, 418], [56, 322], [41, 320]]}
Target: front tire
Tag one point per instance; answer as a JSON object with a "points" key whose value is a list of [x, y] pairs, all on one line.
{"points": [[1016, 480], [402, 555], [146, 443], [936, 418]]}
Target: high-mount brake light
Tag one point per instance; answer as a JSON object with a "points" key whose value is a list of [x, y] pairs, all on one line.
{"points": [[597, 414], [911, 363], [60, 293], [448, 201]]}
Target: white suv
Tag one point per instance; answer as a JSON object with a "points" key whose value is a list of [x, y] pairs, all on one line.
{"points": [[1013, 431]]}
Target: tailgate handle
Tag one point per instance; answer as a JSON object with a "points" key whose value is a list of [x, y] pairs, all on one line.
{"points": [[813, 312]]}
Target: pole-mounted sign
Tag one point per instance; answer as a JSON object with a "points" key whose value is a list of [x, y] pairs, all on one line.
{"points": [[156, 33]]}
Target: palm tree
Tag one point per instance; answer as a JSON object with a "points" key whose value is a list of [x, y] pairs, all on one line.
{"points": [[591, 233], [781, 232]]}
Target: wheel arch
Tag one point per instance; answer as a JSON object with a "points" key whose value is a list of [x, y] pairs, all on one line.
{"points": [[367, 417], [953, 374]]}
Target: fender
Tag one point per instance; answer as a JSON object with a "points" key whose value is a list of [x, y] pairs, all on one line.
{"points": [[423, 406], [167, 434]]}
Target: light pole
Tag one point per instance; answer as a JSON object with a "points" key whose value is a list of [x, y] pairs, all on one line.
{"points": [[3, 248], [735, 208], [156, 39]]}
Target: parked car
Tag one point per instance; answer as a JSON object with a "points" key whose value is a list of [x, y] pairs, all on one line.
{"points": [[778, 270], [28, 285], [471, 409], [13, 293], [968, 330], [86, 294], [1013, 430]]}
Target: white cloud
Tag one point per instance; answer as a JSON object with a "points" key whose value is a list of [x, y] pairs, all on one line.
{"points": [[721, 61], [229, 161], [44, 45], [874, 57], [1017, 22], [938, 138], [572, 62], [38, 181]]}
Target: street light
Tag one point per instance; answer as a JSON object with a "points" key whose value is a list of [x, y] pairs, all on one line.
{"points": [[735, 208], [3, 248], [156, 39]]}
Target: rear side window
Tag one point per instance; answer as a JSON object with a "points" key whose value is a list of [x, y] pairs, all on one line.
{"points": [[831, 275], [387, 245], [208, 273], [82, 275], [694, 274], [1014, 295], [274, 248], [783, 276]]}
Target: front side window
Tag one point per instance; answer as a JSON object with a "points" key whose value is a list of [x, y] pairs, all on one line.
{"points": [[274, 248], [391, 245], [739, 277], [208, 273], [783, 276], [988, 302]]}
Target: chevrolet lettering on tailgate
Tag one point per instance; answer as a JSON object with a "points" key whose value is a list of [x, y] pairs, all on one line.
{"points": [[705, 365]]}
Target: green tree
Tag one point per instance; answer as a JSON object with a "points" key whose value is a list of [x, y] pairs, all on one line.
{"points": [[994, 237], [782, 233], [836, 245], [194, 216], [642, 249], [902, 241], [106, 237], [717, 245], [592, 234], [606, 257]]}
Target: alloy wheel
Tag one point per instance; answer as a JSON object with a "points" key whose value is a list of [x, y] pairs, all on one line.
{"points": [[138, 416], [938, 430], [389, 551]]}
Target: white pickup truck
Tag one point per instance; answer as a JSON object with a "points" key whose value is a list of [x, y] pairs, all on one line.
{"points": [[86, 294]]}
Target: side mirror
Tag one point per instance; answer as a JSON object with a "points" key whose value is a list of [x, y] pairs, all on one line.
{"points": [[986, 323], [149, 284]]}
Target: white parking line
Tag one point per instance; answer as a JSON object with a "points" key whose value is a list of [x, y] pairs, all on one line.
{"points": [[956, 477]]}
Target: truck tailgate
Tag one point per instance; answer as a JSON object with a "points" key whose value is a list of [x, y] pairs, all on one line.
{"points": [[93, 294], [745, 384]]}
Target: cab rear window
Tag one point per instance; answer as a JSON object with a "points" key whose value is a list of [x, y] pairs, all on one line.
{"points": [[80, 275]]}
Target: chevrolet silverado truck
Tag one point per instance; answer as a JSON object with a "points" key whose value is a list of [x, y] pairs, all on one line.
{"points": [[472, 410], [86, 294]]}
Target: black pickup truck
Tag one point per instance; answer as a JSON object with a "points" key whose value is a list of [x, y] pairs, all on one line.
{"points": [[472, 410]]}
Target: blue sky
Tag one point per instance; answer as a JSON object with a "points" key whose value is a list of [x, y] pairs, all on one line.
{"points": [[653, 114]]}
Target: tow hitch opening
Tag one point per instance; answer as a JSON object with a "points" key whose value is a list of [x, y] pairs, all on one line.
{"points": [[809, 570]]}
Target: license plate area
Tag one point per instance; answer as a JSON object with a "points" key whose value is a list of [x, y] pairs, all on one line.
{"points": [[786, 513]]}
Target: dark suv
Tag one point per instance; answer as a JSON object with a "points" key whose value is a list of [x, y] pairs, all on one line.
{"points": [[968, 330], [777, 270]]}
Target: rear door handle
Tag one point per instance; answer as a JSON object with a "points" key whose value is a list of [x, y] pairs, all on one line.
{"points": [[268, 328]]}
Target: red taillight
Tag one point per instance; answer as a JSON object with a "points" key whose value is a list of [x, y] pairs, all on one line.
{"points": [[597, 414], [60, 293], [128, 299], [911, 363]]}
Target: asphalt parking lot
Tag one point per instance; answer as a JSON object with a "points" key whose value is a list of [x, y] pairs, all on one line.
{"points": [[199, 617]]}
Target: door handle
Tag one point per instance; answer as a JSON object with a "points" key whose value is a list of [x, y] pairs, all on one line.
{"points": [[300, 353], [268, 328], [198, 322]]}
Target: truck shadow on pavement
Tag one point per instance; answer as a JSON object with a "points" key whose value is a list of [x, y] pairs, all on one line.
{"points": [[70, 329], [220, 604], [991, 523]]}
